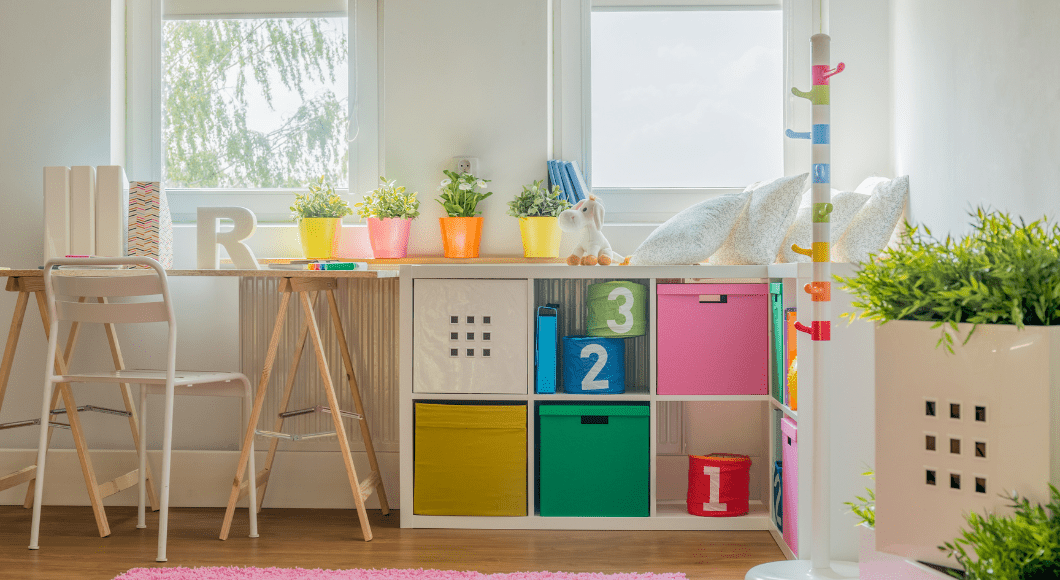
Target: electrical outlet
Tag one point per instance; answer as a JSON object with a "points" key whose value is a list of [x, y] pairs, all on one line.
{"points": [[466, 165]]}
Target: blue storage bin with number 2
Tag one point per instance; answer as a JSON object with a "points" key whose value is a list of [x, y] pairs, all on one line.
{"points": [[594, 365]]}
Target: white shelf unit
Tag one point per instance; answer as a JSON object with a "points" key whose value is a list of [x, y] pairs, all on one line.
{"points": [[666, 513]]}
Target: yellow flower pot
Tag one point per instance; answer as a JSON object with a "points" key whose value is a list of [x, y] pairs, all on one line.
{"points": [[541, 236], [319, 237]]}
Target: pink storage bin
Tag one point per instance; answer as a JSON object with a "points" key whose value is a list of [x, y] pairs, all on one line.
{"points": [[789, 443], [713, 339]]}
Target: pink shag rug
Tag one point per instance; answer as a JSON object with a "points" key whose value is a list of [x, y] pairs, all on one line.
{"points": [[226, 573]]}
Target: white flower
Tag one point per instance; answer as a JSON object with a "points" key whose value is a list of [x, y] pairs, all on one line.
{"points": [[446, 182], [466, 186], [481, 183]]}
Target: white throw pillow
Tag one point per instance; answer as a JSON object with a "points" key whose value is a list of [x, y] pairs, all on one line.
{"points": [[760, 229], [871, 228], [845, 205], [691, 236]]}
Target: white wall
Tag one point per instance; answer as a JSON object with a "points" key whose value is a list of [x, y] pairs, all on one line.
{"points": [[860, 95], [977, 107], [466, 78], [55, 109]]}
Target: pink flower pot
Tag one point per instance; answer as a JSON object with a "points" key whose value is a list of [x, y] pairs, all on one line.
{"points": [[389, 236]]}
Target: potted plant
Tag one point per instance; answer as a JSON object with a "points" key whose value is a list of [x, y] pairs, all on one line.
{"points": [[462, 228], [319, 214], [389, 211], [967, 365], [537, 211], [1023, 546]]}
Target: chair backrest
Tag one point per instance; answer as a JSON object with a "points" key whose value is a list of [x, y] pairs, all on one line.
{"points": [[74, 292]]}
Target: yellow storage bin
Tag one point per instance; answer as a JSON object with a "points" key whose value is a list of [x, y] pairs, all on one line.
{"points": [[470, 460]]}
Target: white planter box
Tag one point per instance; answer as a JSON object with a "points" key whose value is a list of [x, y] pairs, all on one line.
{"points": [[873, 565], [995, 427]]}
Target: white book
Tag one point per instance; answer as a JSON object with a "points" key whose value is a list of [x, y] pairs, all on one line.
{"points": [[56, 212], [112, 211], [83, 210]]}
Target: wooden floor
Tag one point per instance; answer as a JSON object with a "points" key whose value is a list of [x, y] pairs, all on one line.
{"points": [[70, 547]]}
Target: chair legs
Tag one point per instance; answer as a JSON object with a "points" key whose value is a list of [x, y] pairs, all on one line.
{"points": [[42, 451], [252, 483], [167, 458], [141, 506]]}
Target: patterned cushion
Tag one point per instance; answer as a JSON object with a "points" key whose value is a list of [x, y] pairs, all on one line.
{"points": [[760, 229], [871, 228], [691, 236]]}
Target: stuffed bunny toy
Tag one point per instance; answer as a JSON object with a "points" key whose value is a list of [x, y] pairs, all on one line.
{"points": [[588, 215]]}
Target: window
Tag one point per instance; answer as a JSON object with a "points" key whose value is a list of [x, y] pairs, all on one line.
{"points": [[686, 98], [254, 103], [680, 100], [240, 102]]}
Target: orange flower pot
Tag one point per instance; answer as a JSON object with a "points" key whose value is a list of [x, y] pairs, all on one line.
{"points": [[461, 236]]}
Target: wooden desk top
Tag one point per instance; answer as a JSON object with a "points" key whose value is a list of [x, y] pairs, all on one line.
{"points": [[381, 272]]}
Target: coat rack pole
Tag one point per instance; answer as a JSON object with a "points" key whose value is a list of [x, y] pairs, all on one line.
{"points": [[820, 564]]}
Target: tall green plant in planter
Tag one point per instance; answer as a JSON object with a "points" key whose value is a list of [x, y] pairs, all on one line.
{"points": [[1024, 546], [958, 421], [537, 210], [1004, 272], [389, 211], [462, 226], [319, 214]]}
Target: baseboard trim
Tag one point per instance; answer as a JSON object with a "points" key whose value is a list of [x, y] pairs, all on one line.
{"points": [[314, 479]]}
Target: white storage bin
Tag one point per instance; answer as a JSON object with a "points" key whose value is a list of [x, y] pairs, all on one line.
{"points": [[470, 336]]}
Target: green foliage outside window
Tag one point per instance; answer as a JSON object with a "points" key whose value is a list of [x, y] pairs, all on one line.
{"points": [[212, 66]]}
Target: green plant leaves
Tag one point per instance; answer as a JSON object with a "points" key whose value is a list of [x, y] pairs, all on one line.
{"points": [[865, 507], [1004, 272], [320, 201], [460, 196], [535, 201], [389, 201], [1025, 546]]}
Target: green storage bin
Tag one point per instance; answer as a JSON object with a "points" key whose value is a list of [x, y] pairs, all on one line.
{"points": [[618, 309], [776, 304], [594, 460]]}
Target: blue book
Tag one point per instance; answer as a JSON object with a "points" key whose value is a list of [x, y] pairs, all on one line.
{"points": [[581, 191], [545, 349], [567, 183], [553, 177]]}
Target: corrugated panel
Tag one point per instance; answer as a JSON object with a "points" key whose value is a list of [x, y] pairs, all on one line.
{"points": [[572, 296], [368, 309]]}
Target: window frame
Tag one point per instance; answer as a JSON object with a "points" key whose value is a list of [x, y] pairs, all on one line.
{"points": [[572, 103], [144, 92]]}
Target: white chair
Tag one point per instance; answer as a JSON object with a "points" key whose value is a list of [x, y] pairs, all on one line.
{"points": [[66, 291]]}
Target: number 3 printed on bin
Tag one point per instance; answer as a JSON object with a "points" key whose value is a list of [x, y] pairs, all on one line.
{"points": [[625, 309]]}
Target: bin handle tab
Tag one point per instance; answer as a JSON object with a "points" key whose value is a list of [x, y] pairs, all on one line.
{"points": [[713, 298], [594, 419]]}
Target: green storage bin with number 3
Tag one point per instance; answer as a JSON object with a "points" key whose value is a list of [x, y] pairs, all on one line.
{"points": [[618, 309]]}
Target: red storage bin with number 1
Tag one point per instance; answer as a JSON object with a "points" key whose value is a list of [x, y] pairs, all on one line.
{"points": [[718, 484]]}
